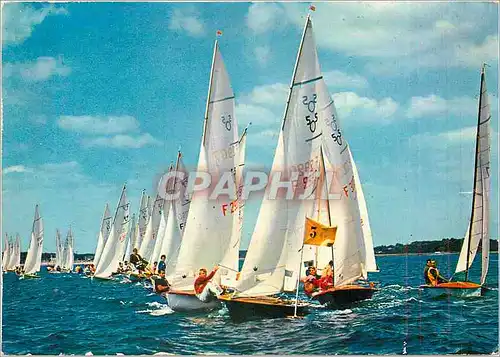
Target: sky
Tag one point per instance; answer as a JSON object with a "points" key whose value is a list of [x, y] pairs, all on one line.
{"points": [[99, 94]]}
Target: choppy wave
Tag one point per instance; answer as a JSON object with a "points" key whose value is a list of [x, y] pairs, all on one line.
{"points": [[61, 314]]}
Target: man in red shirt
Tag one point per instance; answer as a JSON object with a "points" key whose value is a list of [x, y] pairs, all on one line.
{"points": [[204, 288]]}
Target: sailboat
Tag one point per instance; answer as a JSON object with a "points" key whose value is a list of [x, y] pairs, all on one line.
{"points": [[478, 228], [59, 255], [309, 145], [142, 222], [69, 259], [103, 234], [131, 236], [6, 254], [208, 235], [34, 256], [115, 245], [150, 237]]}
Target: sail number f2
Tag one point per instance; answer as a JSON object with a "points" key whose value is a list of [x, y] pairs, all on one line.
{"points": [[226, 120], [312, 118]]}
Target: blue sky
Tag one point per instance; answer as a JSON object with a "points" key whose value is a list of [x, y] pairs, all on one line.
{"points": [[98, 94]]}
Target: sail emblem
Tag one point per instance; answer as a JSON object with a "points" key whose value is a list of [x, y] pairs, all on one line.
{"points": [[226, 120], [311, 107], [122, 236]]}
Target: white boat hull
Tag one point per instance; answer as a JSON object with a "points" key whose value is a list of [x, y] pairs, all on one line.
{"points": [[190, 303]]}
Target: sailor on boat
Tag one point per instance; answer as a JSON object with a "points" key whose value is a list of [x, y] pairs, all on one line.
{"points": [[204, 288], [162, 266], [139, 262], [161, 284], [433, 277], [311, 281]]}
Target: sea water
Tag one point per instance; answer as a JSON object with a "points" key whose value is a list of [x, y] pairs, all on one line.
{"points": [[71, 314]]}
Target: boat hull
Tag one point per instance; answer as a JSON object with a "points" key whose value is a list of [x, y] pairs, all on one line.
{"points": [[29, 276], [243, 308], [186, 301], [456, 289], [343, 295]]}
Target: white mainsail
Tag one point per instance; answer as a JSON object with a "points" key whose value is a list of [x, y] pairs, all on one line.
{"points": [[148, 243], [230, 263], [478, 229], [130, 238], [209, 225], [17, 252], [59, 250], [115, 245], [142, 221], [103, 234], [155, 257], [6, 253], [370, 262], [34, 256], [310, 133], [176, 217], [69, 251], [12, 255]]}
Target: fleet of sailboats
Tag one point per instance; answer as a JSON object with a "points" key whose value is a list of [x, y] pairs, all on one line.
{"points": [[318, 218]]}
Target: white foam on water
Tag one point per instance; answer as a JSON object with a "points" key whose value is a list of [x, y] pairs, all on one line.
{"points": [[151, 294], [163, 354], [159, 309], [343, 312], [89, 353]]}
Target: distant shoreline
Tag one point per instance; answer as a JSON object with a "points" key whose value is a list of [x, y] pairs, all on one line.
{"points": [[403, 254]]}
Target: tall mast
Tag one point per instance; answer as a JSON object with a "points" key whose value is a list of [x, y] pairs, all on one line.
{"points": [[209, 92], [476, 158], [295, 70]]}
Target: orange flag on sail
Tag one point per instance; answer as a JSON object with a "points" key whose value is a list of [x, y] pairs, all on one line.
{"points": [[219, 33], [316, 233], [312, 8]]}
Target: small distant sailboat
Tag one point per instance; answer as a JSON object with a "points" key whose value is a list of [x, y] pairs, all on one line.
{"points": [[209, 226], [59, 255], [6, 254], [34, 256], [69, 258], [478, 229], [150, 237], [115, 246], [103, 234], [142, 221]]}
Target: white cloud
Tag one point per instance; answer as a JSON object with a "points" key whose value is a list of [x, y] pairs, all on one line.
{"points": [[338, 79], [187, 20], [268, 94], [394, 36], [19, 20], [98, 124], [263, 17], [40, 70], [462, 138], [262, 54], [433, 106], [350, 104], [122, 141], [16, 169]]}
